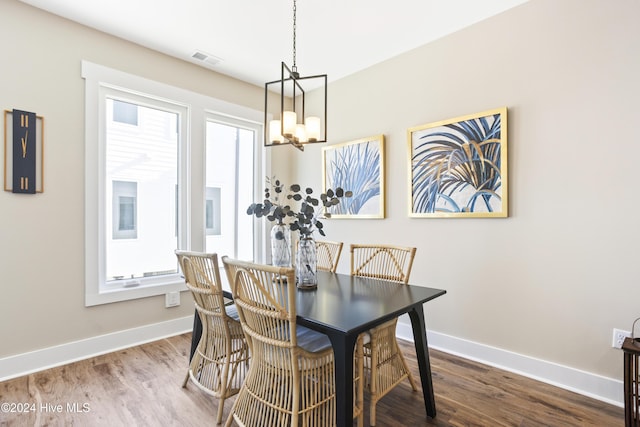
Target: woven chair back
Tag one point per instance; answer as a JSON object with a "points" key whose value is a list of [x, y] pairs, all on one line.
{"points": [[266, 303], [328, 255], [202, 277], [387, 262]]}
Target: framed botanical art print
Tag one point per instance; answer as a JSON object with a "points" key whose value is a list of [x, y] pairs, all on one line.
{"points": [[458, 167], [356, 166]]}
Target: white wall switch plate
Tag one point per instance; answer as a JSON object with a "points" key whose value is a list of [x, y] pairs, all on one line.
{"points": [[172, 299]]}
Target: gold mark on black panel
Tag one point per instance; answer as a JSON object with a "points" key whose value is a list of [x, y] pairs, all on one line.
{"points": [[24, 144]]}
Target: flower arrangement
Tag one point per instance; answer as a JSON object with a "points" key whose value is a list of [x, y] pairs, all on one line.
{"points": [[307, 218]]}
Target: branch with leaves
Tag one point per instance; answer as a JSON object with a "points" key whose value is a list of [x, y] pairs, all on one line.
{"points": [[307, 218]]}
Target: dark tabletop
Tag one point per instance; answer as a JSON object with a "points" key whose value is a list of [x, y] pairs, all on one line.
{"points": [[350, 304]]}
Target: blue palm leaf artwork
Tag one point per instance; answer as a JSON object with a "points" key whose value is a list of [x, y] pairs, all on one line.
{"points": [[458, 167], [357, 166]]}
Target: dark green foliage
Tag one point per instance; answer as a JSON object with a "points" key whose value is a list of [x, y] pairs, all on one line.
{"points": [[307, 219]]}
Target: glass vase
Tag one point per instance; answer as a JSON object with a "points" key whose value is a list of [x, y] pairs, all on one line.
{"points": [[307, 263], [281, 246]]}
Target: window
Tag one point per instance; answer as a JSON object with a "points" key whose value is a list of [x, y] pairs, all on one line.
{"points": [[148, 190], [141, 163], [124, 212], [230, 164], [212, 211]]}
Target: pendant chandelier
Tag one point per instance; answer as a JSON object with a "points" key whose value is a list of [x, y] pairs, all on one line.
{"points": [[291, 120]]}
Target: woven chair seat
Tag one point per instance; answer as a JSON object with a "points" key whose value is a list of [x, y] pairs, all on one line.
{"points": [[232, 312], [312, 341]]}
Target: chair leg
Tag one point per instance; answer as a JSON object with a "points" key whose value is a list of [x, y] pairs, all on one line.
{"points": [[360, 370], [372, 412], [230, 418], [186, 380], [373, 386], [224, 383], [220, 411], [406, 368]]}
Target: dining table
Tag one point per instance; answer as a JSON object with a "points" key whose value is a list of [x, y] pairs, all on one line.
{"points": [[343, 306]]}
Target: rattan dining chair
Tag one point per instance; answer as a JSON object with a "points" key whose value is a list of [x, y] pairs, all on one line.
{"points": [[384, 364], [328, 254], [220, 362], [291, 378]]}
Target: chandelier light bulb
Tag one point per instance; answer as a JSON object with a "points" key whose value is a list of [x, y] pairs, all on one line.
{"points": [[289, 120], [301, 134], [313, 128], [274, 132]]}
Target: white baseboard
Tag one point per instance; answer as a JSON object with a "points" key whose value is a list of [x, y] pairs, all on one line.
{"points": [[598, 387], [27, 363]]}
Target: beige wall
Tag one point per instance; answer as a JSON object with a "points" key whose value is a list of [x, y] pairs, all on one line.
{"points": [[42, 236], [553, 279], [549, 282]]}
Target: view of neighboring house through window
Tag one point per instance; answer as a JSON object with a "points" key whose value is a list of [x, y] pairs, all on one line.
{"points": [[230, 166], [212, 211], [125, 112], [124, 209], [142, 165]]}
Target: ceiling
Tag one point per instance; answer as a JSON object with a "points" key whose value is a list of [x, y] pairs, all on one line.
{"points": [[247, 39]]}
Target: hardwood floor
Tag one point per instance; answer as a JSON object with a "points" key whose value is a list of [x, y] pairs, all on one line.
{"points": [[141, 386]]}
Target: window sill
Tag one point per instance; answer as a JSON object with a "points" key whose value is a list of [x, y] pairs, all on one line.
{"points": [[124, 292]]}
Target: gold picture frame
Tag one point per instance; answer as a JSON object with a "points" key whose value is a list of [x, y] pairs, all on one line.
{"points": [[356, 166], [8, 152], [458, 167]]}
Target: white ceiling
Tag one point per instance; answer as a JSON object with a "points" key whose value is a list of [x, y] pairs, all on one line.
{"points": [[252, 37]]}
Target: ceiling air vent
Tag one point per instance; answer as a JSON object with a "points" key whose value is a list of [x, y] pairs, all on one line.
{"points": [[206, 57]]}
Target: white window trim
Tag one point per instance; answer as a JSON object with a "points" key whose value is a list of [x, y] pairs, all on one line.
{"points": [[99, 78]]}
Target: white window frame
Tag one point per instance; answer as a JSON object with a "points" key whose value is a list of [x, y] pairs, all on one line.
{"points": [[99, 81]]}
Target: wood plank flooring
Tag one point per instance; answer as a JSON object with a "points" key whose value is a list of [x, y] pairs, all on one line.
{"points": [[141, 386]]}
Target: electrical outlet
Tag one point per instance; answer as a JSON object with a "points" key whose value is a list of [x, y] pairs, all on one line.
{"points": [[618, 337], [172, 299]]}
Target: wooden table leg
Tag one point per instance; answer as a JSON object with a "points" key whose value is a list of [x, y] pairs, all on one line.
{"points": [[422, 352]]}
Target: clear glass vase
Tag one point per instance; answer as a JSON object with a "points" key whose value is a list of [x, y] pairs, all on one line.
{"points": [[307, 263], [281, 245]]}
